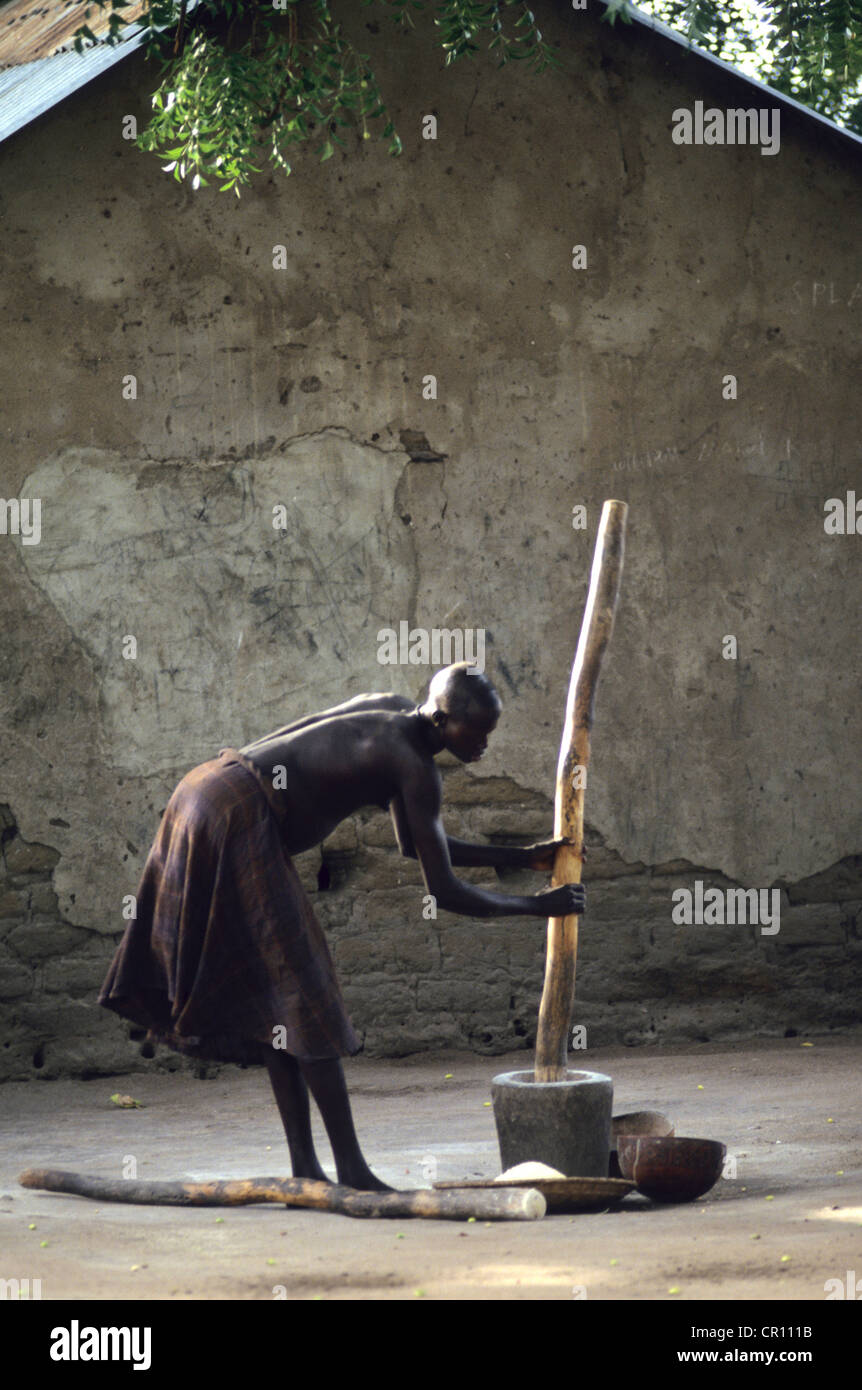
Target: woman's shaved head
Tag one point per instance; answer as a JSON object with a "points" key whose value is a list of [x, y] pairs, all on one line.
{"points": [[457, 692]]}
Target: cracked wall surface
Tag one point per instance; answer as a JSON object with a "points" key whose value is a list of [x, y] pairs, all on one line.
{"points": [[304, 389]]}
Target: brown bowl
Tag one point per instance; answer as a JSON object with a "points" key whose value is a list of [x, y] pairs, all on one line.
{"points": [[669, 1169], [640, 1122], [635, 1122]]}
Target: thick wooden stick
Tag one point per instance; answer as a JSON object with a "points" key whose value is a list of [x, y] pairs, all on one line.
{"points": [[555, 1011], [509, 1204]]}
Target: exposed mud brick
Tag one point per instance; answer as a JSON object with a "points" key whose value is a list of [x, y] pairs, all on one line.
{"points": [[375, 829], [415, 953], [517, 824], [815, 924], [15, 980], [58, 1020], [378, 994], [839, 883], [460, 789], [344, 837], [41, 900], [13, 903], [37, 941], [24, 858], [359, 955], [76, 976]]}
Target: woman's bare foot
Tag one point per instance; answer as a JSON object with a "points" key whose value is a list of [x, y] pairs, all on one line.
{"points": [[310, 1170], [363, 1180]]}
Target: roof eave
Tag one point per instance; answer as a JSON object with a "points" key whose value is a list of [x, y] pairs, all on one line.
{"points": [[650, 22], [43, 83]]}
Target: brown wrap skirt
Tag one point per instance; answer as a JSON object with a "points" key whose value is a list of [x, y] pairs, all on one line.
{"points": [[226, 956]]}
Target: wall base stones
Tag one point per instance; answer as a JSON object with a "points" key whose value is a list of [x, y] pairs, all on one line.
{"points": [[414, 982]]}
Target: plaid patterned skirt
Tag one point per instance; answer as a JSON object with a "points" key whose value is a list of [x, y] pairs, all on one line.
{"points": [[226, 954]]}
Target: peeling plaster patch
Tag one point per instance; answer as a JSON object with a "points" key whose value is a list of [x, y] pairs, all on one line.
{"points": [[229, 614]]}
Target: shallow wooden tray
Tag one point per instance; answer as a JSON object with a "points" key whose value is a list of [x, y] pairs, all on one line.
{"points": [[562, 1194]]}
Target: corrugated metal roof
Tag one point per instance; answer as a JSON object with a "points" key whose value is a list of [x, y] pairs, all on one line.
{"points": [[38, 62], [30, 30]]}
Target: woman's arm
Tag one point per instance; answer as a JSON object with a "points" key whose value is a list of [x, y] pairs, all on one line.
{"points": [[420, 808], [465, 855]]}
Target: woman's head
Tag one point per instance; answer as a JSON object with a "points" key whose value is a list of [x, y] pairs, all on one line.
{"points": [[464, 707]]}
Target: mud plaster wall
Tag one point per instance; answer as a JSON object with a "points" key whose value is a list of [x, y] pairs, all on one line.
{"points": [[303, 387]]}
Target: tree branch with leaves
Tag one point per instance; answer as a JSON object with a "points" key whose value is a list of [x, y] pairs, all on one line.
{"points": [[243, 82]]}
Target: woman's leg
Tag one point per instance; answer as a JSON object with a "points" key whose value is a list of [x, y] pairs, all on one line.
{"points": [[291, 1097], [327, 1084]]}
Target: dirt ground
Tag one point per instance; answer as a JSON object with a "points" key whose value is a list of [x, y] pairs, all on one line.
{"points": [[785, 1224]]}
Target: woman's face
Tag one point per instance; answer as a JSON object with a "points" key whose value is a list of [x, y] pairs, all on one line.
{"points": [[467, 735]]}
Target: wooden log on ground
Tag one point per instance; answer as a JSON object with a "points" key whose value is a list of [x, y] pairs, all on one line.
{"points": [[555, 1011], [509, 1204]]}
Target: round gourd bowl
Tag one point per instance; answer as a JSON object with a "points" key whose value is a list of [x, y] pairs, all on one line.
{"points": [[668, 1169], [637, 1122]]}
